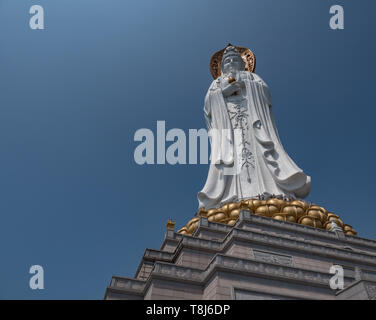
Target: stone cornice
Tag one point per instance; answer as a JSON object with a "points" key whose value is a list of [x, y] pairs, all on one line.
{"points": [[263, 238], [302, 229], [229, 264], [304, 246], [123, 285]]}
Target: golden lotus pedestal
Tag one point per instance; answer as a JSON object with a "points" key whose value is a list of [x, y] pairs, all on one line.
{"points": [[296, 211]]}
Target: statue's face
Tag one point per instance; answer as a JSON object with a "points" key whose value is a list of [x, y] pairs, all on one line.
{"points": [[232, 63]]}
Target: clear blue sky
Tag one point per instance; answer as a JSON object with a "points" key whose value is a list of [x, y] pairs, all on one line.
{"points": [[73, 200]]}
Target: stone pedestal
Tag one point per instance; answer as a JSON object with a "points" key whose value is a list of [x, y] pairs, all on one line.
{"points": [[257, 258]]}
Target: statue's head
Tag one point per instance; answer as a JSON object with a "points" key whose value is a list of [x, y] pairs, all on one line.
{"points": [[232, 61]]}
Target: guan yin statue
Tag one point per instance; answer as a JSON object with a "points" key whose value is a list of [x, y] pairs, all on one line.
{"points": [[249, 168], [247, 157], [253, 237]]}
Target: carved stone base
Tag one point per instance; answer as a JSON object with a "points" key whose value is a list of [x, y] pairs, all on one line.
{"points": [[257, 258]]}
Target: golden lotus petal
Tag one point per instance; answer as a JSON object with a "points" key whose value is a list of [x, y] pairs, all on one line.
{"points": [[293, 210], [280, 217], [192, 221], [233, 206], [231, 222], [225, 208], [307, 221], [266, 210], [220, 217], [299, 203], [276, 202], [192, 227], [234, 214], [211, 212]]}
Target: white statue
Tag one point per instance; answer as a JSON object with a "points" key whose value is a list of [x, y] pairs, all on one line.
{"points": [[247, 157]]}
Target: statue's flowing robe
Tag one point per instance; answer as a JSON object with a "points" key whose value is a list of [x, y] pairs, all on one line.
{"points": [[264, 168]]}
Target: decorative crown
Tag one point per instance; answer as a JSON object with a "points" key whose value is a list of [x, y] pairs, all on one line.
{"points": [[246, 54]]}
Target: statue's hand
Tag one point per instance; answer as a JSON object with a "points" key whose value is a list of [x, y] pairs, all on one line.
{"points": [[233, 87]]}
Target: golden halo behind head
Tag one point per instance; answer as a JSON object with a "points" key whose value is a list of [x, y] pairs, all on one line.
{"points": [[246, 54]]}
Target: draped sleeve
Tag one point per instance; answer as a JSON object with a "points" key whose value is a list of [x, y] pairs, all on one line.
{"points": [[286, 173], [219, 126], [222, 149]]}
